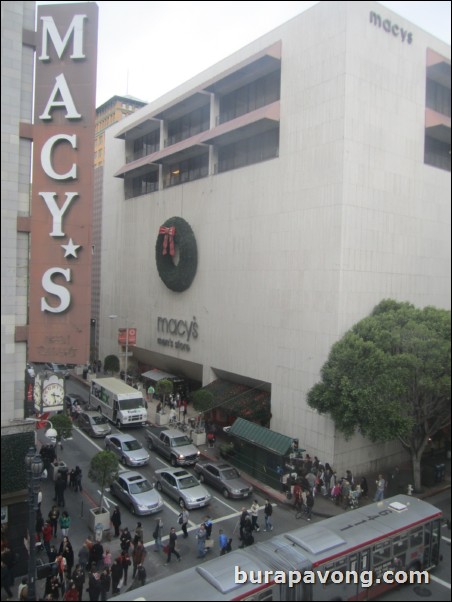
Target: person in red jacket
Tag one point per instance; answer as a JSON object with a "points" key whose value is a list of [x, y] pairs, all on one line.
{"points": [[47, 534]]}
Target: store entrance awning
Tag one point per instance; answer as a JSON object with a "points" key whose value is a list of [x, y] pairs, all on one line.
{"points": [[157, 375], [261, 437]]}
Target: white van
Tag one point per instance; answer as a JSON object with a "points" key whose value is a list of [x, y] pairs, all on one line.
{"points": [[121, 404]]}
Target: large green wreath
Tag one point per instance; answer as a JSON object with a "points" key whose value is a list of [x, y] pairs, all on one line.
{"points": [[177, 277]]}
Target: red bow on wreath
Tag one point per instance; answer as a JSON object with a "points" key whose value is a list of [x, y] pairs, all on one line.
{"points": [[169, 236]]}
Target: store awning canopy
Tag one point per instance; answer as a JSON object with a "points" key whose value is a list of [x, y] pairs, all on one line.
{"points": [[261, 437], [157, 375], [238, 399]]}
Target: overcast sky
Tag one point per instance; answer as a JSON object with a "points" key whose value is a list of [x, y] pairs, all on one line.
{"points": [[146, 49]]}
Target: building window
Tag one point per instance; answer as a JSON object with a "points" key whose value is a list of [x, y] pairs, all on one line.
{"points": [[254, 95], [150, 143], [188, 125], [437, 153], [186, 171], [142, 184], [248, 151], [438, 97]]}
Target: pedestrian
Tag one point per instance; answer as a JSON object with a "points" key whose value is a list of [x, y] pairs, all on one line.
{"points": [[223, 542], [380, 493], [138, 534], [60, 487], [96, 555], [125, 540], [105, 583], [83, 557], [125, 563], [39, 499], [22, 591], [71, 593], [183, 521], [309, 505], [78, 479], [68, 554], [201, 536], [94, 584], [78, 577], [53, 517], [141, 574], [244, 517], [7, 580], [47, 532], [254, 511], [65, 523], [116, 575], [138, 556], [208, 524], [172, 546], [107, 559], [157, 534], [116, 520], [268, 511], [364, 487]]}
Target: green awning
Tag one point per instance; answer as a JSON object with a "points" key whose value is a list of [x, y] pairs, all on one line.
{"points": [[261, 437]]}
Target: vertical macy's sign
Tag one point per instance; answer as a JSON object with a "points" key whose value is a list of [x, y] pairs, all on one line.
{"points": [[61, 207]]}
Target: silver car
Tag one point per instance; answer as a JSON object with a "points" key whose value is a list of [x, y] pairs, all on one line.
{"points": [[136, 493], [224, 477], [93, 423], [182, 487], [128, 449]]}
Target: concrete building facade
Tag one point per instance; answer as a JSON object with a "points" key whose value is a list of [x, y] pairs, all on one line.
{"points": [[312, 168]]}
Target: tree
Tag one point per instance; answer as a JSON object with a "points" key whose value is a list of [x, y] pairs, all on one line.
{"points": [[111, 363], [103, 469], [63, 426], [164, 387], [202, 400], [389, 377]]}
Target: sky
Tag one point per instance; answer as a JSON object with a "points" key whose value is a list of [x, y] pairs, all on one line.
{"points": [[145, 49]]}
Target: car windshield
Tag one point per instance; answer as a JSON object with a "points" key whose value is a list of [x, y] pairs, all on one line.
{"points": [[180, 441], [99, 420], [140, 487], [131, 404], [187, 482], [132, 445], [230, 473], [61, 367]]}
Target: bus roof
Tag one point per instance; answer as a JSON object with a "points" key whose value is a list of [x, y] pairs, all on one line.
{"points": [[117, 386]]}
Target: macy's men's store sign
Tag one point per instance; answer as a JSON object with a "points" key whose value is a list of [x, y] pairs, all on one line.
{"points": [[61, 206]]}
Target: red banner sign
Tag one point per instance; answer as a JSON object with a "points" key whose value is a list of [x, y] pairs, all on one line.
{"points": [[127, 336]]}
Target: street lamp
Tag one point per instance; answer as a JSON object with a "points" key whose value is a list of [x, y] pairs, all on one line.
{"points": [[34, 464], [113, 317], [51, 433]]}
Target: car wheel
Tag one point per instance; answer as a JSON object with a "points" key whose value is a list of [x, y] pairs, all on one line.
{"points": [[107, 446], [118, 424], [123, 460], [201, 478], [132, 508], [99, 409], [150, 445], [226, 492], [173, 461], [181, 503], [158, 486]]}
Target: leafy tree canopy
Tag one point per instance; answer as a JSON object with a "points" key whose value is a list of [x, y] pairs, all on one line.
{"points": [[389, 376], [103, 469], [165, 386], [111, 363], [203, 400], [63, 425]]}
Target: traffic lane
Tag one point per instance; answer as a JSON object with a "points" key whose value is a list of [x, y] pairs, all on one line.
{"points": [[84, 448]]}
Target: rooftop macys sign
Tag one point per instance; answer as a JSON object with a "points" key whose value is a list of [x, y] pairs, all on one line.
{"points": [[61, 207]]}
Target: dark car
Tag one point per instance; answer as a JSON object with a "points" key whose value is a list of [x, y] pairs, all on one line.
{"points": [[59, 369], [93, 423], [224, 477], [72, 400]]}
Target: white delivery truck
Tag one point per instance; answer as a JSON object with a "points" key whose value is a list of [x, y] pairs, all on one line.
{"points": [[121, 404]]}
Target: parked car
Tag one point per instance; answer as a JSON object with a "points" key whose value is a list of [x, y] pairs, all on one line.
{"points": [[136, 493], [224, 477], [93, 423], [128, 449], [60, 369], [182, 487]]}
